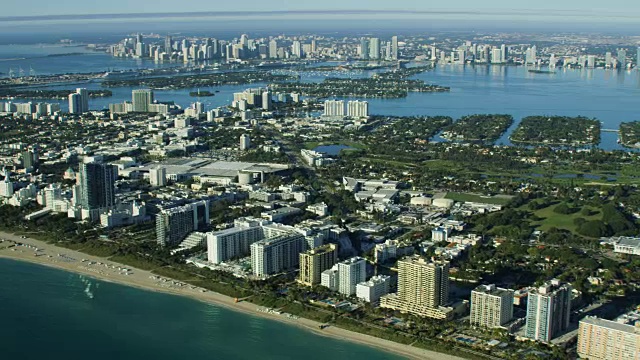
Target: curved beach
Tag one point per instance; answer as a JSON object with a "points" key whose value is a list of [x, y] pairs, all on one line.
{"points": [[103, 269]]}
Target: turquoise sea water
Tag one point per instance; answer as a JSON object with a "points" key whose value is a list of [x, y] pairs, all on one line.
{"points": [[48, 314]]}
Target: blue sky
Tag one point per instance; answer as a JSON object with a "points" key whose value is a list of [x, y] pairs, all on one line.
{"points": [[589, 8]]}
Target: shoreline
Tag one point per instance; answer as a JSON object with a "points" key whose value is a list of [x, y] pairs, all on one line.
{"points": [[110, 271]]}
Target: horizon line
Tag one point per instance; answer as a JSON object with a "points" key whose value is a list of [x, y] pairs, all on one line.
{"points": [[548, 12]]}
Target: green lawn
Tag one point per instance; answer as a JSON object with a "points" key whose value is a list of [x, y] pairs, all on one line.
{"points": [[464, 197], [561, 221], [310, 145], [400, 164]]}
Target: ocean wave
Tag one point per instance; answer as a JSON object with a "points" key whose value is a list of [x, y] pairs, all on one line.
{"points": [[13, 59]]}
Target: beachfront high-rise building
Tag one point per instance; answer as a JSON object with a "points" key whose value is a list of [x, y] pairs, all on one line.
{"points": [[315, 261], [423, 283], [141, 99], [358, 109], [372, 290], [374, 49], [173, 225], [330, 279], [97, 185], [423, 288], [79, 101], [351, 272], [503, 53], [491, 306], [548, 311], [334, 108], [600, 339], [638, 58], [276, 254], [245, 142], [230, 243], [394, 48]]}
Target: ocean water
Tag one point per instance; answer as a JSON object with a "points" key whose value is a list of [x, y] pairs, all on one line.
{"points": [[49, 314]]}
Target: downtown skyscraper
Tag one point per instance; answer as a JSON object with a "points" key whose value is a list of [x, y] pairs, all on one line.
{"points": [[394, 48], [374, 48]]}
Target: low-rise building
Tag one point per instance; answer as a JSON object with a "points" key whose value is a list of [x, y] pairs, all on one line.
{"points": [[124, 215], [627, 245], [391, 249], [315, 158], [421, 201], [320, 209], [281, 213], [440, 234]]}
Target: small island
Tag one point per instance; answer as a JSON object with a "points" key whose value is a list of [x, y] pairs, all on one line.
{"points": [[203, 80], [485, 129], [557, 130], [396, 135], [391, 85], [199, 93], [48, 94], [630, 134]]}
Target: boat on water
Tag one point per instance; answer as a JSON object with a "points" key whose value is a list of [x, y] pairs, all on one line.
{"points": [[538, 71], [273, 65], [120, 75]]}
